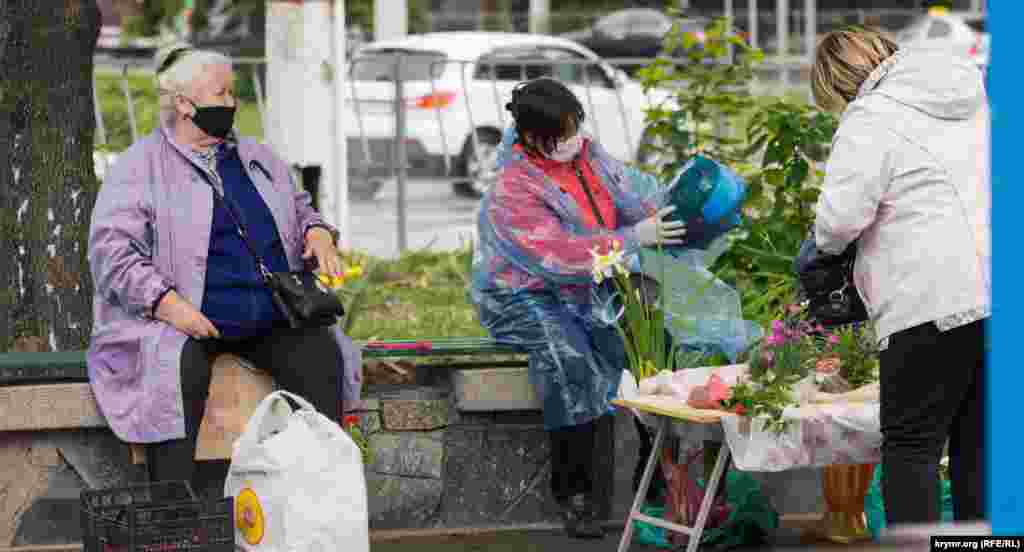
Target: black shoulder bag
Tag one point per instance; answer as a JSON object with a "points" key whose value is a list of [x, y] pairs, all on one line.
{"points": [[827, 282], [300, 296]]}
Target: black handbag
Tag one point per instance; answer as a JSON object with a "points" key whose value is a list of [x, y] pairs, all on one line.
{"points": [[300, 295], [827, 283]]}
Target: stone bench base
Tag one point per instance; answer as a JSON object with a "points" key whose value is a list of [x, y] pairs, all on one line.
{"points": [[235, 391]]}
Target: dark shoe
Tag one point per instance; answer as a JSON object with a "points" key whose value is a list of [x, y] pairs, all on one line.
{"points": [[570, 517], [582, 522]]}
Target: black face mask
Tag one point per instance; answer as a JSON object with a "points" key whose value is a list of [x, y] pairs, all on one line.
{"points": [[214, 120]]}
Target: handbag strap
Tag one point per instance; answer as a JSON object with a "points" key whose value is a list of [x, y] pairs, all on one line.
{"points": [[590, 195], [242, 231]]}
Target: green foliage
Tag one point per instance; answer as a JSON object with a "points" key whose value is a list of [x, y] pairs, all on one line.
{"points": [[791, 138], [420, 295], [763, 400], [155, 14], [857, 348], [705, 91], [776, 151], [114, 107]]}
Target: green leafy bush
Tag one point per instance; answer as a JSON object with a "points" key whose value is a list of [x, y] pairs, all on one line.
{"points": [[775, 143]]}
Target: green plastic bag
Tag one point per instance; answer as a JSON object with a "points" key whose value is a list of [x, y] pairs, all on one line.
{"points": [[751, 518], [645, 533], [874, 506]]}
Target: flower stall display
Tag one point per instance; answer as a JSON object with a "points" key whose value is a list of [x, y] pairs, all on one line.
{"points": [[807, 397], [800, 363]]}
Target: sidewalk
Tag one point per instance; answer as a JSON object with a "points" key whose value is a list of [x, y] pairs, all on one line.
{"points": [[787, 538], [556, 541]]}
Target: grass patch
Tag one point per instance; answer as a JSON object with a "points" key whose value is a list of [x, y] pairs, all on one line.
{"points": [[142, 87], [419, 295]]}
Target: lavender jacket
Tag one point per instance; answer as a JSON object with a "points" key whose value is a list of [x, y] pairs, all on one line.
{"points": [[150, 231]]}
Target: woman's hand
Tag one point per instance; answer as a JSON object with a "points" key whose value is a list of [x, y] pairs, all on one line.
{"points": [[320, 243], [655, 230], [178, 312]]}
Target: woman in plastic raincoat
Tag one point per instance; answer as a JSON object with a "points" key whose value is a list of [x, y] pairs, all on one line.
{"points": [[560, 197]]}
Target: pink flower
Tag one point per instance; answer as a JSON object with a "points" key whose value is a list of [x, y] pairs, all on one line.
{"points": [[775, 339], [833, 339], [828, 366], [778, 326], [794, 308]]}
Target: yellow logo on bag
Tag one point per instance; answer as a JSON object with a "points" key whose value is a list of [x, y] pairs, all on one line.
{"points": [[249, 516]]}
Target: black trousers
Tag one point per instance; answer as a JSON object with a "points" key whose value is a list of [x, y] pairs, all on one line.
{"points": [[933, 389], [304, 362], [574, 458]]}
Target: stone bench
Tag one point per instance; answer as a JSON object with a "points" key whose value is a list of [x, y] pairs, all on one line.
{"points": [[44, 391], [52, 398], [465, 451]]}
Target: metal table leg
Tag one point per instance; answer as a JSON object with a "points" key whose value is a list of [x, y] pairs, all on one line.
{"points": [[709, 497], [711, 488], [645, 482]]}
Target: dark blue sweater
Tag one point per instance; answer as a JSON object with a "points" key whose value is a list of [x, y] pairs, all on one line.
{"points": [[235, 299]]}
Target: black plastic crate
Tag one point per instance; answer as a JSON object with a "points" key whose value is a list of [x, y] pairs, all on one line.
{"points": [[160, 517]]}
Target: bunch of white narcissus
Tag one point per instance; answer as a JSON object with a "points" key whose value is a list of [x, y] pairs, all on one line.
{"points": [[606, 265]]}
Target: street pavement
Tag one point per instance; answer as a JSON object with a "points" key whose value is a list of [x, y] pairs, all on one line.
{"points": [[435, 218], [556, 541]]}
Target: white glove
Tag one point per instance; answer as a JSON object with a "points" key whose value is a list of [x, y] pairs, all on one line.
{"points": [[655, 230]]}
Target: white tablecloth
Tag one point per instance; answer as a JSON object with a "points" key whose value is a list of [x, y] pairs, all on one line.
{"points": [[819, 435]]}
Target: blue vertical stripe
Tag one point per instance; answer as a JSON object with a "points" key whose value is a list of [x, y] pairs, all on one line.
{"points": [[1006, 387]]}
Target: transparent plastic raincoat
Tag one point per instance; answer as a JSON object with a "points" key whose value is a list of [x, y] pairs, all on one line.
{"points": [[532, 274]]}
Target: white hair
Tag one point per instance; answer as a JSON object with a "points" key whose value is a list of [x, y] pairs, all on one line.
{"points": [[176, 78]]}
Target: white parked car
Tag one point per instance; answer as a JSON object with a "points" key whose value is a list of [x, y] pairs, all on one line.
{"points": [[455, 88], [963, 34]]}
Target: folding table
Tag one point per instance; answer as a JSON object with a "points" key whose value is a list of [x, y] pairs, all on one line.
{"points": [[669, 410]]}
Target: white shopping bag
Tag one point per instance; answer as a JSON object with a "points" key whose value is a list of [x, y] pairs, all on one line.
{"points": [[298, 483]]}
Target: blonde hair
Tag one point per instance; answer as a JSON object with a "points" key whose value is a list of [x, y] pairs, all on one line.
{"points": [[843, 61], [177, 65]]}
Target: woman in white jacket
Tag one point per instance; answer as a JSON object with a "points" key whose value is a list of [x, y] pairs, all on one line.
{"points": [[908, 179]]}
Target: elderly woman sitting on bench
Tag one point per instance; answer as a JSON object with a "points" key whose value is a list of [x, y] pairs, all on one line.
{"points": [[174, 282]]}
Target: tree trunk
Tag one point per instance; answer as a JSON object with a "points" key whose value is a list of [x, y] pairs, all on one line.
{"points": [[47, 180]]}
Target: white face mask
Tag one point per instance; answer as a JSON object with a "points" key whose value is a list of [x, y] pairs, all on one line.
{"points": [[567, 150]]}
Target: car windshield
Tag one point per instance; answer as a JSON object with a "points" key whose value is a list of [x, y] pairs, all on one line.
{"points": [[380, 65]]}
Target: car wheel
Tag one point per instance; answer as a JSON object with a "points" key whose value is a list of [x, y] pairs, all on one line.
{"points": [[481, 168]]}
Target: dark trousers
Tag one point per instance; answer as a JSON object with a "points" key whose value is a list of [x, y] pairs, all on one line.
{"points": [[304, 362], [933, 389], [575, 459]]}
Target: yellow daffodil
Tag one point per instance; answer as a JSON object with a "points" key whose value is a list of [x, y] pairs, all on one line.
{"points": [[335, 281], [605, 265]]}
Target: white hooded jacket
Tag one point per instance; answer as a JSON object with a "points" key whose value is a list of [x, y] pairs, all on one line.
{"points": [[908, 177]]}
